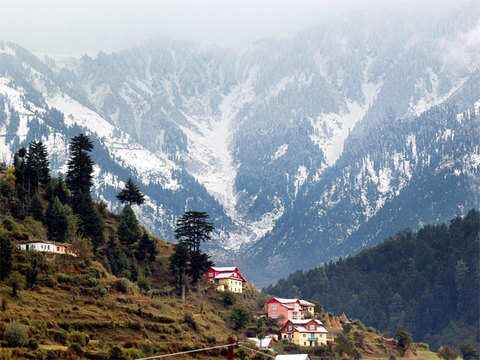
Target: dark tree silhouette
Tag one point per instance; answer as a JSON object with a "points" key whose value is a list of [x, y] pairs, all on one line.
{"points": [[131, 194]]}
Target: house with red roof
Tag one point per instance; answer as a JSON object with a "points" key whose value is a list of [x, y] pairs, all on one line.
{"points": [[308, 332], [282, 310], [226, 278]]}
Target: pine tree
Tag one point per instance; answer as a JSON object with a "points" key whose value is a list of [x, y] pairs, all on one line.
{"points": [[79, 181], [36, 208], [146, 249], [199, 264], [91, 222], [129, 230], [192, 229], [6, 256], [131, 194], [80, 166], [178, 266], [58, 187], [117, 259], [37, 166], [21, 187], [57, 221]]}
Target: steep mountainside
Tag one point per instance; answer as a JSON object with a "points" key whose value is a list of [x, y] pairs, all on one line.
{"points": [[312, 143], [427, 282]]}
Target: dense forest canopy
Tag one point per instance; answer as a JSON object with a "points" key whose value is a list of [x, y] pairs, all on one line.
{"points": [[427, 282]]}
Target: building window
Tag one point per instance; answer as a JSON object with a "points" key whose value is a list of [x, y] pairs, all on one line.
{"points": [[274, 307]]}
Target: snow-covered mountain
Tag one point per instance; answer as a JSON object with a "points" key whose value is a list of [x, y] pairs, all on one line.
{"points": [[302, 149]]}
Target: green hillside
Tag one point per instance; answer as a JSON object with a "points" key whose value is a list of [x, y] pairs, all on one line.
{"points": [[426, 282]]}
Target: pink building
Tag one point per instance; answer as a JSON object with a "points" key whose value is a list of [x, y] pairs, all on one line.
{"points": [[283, 310]]}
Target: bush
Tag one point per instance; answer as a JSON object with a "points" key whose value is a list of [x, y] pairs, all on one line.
{"points": [[469, 352], [211, 339], [59, 336], [76, 348], [124, 285], [228, 299], [190, 321], [239, 318], [64, 279], [116, 353], [102, 291], [16, 334], [78, 337], [32, 344], [16, 282], [132, 353]]}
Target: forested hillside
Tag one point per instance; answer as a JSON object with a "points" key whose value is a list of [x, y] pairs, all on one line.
{"points": [[427, 282]]}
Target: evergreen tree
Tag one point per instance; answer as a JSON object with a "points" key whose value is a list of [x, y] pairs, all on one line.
{"points": [[131, 194], [58, 188], [36, 208], [179, 261], [146, 249], [129, 230], [79, 181], [192, 229], [6, 256], [199, 264], [91, 222], [80, 166], [117, 259], [37, 166], [19, 163], [57, 221]]}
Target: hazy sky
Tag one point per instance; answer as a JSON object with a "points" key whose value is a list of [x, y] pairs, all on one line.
{"points": [[91, 26]]}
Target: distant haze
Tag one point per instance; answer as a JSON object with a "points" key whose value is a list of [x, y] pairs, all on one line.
{"points": [[90, 26]]}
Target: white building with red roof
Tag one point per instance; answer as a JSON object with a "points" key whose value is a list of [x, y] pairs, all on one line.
{"points": [[226, 278], [307, 332], [281, 309]]}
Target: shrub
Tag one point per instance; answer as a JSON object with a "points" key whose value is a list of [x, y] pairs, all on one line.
{"points": [[124, 285], [64, 278], [32, 344], [447, 353], [190, 321], [102, 291], [78, 337], [16, 282], [116, 353], [228, 299], [76, 348], [16, 334], [4, 304], [211, 339], [404, 339], [239, 318], [132, 353], [59, 336], [469, 352]]}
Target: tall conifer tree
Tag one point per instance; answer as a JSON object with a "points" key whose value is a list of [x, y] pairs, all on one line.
{"points": [[131, 194]]}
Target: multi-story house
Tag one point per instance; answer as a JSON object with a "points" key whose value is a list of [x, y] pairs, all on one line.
{"points": [[308, 332], [289, 309], [226, 278]]}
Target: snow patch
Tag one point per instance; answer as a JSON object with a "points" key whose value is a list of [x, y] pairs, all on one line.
{"points": [[148, 166], [210, 159], [300, 178], [330, 130], [281, 151]]}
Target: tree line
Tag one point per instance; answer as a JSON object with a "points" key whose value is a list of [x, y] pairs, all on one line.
{"points": [[426, 282], [65, 206]]}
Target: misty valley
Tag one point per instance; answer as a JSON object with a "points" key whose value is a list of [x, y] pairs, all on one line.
{"points": [[310, 195]]}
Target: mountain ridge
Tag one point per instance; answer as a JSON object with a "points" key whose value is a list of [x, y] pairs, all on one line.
{"points": [[260, 138]]}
